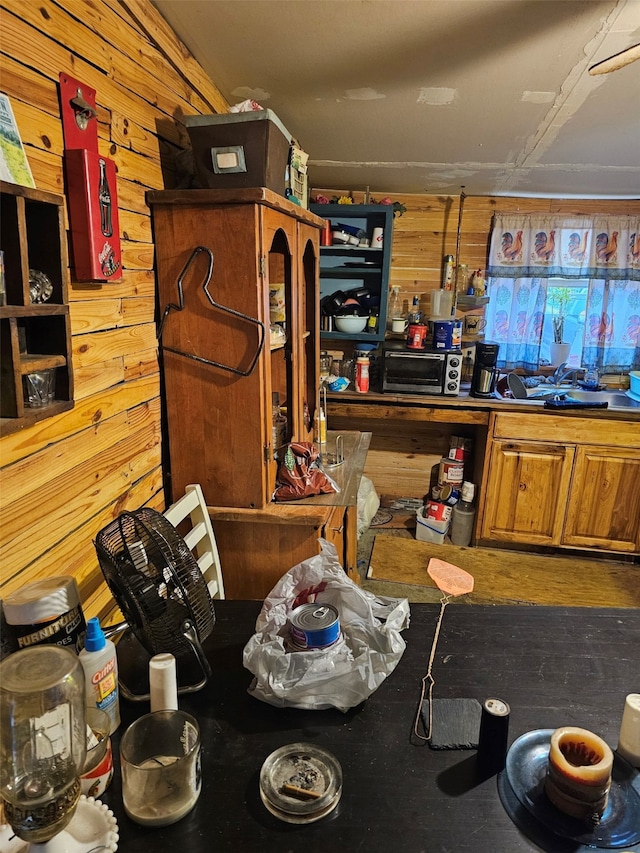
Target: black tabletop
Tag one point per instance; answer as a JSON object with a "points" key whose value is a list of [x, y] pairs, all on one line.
{"points": [[553, 666]]}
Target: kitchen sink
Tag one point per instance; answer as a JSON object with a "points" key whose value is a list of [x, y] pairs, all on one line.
{"points": [[615, 399]]}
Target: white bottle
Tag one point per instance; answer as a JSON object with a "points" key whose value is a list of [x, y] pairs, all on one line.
{"points": [[100, 664], [462, 516]]}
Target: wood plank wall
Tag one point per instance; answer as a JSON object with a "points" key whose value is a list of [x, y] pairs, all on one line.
{"points": [[62, 480]]}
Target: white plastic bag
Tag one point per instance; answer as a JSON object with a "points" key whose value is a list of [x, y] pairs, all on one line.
{"points": [[347, 672]]}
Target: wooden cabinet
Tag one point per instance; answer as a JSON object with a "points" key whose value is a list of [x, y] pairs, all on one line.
{"points": [[35, 330], [347, 267], [221, 256], [580, 491]]}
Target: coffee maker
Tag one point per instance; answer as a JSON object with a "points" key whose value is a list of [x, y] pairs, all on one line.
{"points": [[483, 381]]}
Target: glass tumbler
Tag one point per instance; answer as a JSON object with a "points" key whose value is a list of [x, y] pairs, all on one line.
{"points": [[161, 767], [40, 388]]}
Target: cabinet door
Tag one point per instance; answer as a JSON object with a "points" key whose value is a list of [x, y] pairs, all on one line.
{"points": [[526, 492], [308, 354], [604, 501]]}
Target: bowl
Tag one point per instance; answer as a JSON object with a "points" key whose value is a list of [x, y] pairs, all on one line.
{"points": [[340, 237], [351, 325]]}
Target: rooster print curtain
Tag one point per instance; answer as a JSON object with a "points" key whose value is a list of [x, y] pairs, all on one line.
{"points": [[527, 250], [602, 247]]}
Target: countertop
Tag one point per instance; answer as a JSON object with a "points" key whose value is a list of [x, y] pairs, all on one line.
{"points": [[461, 409]]}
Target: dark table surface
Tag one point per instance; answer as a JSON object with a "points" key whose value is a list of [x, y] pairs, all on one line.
{"points": [[554, 666]]}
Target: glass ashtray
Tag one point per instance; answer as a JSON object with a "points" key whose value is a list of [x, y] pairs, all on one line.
{"points": [[300, 783]]}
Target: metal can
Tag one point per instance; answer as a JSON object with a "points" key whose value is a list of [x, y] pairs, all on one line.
{"points": [[47, 611], [451, 472], [314, 626], [362, 375], [449, 495]]}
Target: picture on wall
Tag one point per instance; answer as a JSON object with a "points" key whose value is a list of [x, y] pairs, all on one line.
{"points": [[14, 166]]}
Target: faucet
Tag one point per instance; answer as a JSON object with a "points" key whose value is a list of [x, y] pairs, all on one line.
{"points": [[562, 372]]}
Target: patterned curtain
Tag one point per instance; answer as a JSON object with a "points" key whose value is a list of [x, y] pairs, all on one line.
{"points": [[528, 249]]}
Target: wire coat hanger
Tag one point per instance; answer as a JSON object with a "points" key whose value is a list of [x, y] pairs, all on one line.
{"points": [[180, 306]]}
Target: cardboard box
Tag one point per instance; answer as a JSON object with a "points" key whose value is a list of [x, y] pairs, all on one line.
{"points": [[240, 150]]}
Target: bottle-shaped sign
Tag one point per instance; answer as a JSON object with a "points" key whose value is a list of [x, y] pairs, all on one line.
{"points": [[104, 199]]}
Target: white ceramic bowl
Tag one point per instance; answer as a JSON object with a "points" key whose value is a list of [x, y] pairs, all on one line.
{"points": [[351, 325], [340, 237]]}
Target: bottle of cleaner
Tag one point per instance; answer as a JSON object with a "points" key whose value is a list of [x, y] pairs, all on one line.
{"points": [[100, 664], [463, 515]]}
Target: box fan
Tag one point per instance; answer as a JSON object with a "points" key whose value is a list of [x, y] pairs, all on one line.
{"points": [[158, 585]]}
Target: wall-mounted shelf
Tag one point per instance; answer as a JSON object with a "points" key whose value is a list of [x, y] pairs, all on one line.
{"points": [[349, 267], [33, 337]]}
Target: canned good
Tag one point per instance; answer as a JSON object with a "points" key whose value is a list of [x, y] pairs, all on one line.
{"points": [[449, 495], [314, 626], [47, 611], [451, 472]]}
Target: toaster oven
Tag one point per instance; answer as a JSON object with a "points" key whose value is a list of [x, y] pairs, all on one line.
{"points": [[406, 371]]}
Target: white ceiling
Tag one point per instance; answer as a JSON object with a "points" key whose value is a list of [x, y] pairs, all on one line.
{"points": [[428, 96]]}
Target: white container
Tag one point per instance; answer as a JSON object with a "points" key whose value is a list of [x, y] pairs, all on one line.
{"points": [[100, 664], [428, 530]]}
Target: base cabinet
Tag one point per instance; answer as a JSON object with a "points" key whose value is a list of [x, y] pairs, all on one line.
{"points": [[529, 484], [604, 504], [257, 547], [582, 491]]}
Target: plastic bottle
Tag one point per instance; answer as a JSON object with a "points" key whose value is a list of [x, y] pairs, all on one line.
{"points": [[415, 315], [100, 664], [463, 515], [394, 309], [278, 422], [362, 375]]}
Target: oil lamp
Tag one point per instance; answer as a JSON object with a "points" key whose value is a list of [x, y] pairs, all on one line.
{"points": [[42, 743]]}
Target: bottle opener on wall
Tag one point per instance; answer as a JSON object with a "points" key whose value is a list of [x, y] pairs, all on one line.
{"points": [[91, 184]]}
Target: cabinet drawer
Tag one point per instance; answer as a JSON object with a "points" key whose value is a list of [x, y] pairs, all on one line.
{"points": [[566, 430]]}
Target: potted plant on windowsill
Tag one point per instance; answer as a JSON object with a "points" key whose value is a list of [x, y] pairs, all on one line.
{"points": [[559, 300]]}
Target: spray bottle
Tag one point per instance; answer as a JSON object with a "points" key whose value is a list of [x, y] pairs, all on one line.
{"points": [[100, 664]]}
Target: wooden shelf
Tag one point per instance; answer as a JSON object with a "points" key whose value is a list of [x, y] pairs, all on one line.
{"points": [[33, 337]]}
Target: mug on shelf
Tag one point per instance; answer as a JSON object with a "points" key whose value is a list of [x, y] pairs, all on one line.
{"points": [[399, 324], [473, 324]]}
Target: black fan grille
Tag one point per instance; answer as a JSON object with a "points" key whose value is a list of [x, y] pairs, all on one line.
{"points": [[155, 579]]}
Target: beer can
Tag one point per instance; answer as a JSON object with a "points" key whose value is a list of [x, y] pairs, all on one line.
{"points": [[314, 626]]}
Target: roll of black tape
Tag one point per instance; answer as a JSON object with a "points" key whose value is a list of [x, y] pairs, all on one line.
{"points": [[493, 737]]}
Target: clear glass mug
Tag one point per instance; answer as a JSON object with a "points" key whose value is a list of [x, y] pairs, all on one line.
{"points": [[161, 767]]}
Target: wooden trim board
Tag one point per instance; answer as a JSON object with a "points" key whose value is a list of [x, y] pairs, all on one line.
{"points": [[503, 577]]}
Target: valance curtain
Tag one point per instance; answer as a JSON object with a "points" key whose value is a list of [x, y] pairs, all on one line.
{"points": [[527, 249]]}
